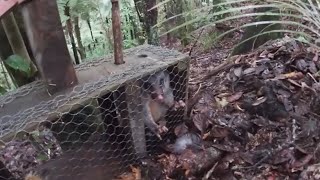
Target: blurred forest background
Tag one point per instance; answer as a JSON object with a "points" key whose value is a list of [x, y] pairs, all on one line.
{"points": [[88, 30], [178, 24]]}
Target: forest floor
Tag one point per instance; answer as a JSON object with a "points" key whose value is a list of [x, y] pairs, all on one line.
{"points": [[257, 113]]}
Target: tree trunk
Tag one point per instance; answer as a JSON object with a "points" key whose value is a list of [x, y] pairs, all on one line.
{"points": [[174, 8], [107, 32], [82, 51], [170, 23], [180, 20], [151, 20], [70, 32], [148, 19], [137, 34], [89, 25]]}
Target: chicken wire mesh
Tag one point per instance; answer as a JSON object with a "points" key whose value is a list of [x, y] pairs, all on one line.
{"points": [[95, 139]]}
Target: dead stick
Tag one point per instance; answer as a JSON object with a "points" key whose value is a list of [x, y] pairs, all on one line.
{"points": [[195, 42]]}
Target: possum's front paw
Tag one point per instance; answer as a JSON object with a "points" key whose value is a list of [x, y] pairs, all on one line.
{"points": [[160, 130], [163, 129], [179, 104]]}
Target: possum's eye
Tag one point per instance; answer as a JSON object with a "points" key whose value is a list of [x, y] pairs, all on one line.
{"points": [[154, 95], [147, 85], [161, 82]]}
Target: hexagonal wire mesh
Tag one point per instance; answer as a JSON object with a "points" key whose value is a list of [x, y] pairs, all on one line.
{"points": [[95, 140]]}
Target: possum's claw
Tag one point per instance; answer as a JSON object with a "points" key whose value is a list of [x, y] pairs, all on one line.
{"points": [[161, 129], [159, 136], [178, 104]]}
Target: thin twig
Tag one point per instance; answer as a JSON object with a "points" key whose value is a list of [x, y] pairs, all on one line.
{"points": [[200, 86], [209, 173], [195, 42], [222, 67], [314, 79]]}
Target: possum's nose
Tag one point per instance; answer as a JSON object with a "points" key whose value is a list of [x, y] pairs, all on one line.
{"points": [[160, 97]]}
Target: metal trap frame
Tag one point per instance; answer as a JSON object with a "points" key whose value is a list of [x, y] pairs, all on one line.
{"points": [[97, 120]]}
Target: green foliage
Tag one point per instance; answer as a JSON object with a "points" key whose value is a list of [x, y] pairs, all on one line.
{"points": [[302, 39], [129, 43], [2, 90], [16, 62], [97, 41], [78, 7], [97, 50], [291, 12], [6, 82], [195, 15], [208, 40], [250, 31]]}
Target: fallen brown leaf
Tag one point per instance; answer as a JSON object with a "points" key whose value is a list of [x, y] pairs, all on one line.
{"points": [[235, 97], [134, 175]]}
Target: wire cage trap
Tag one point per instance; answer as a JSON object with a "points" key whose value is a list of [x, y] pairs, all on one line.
{"points": [[95, 130]]}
